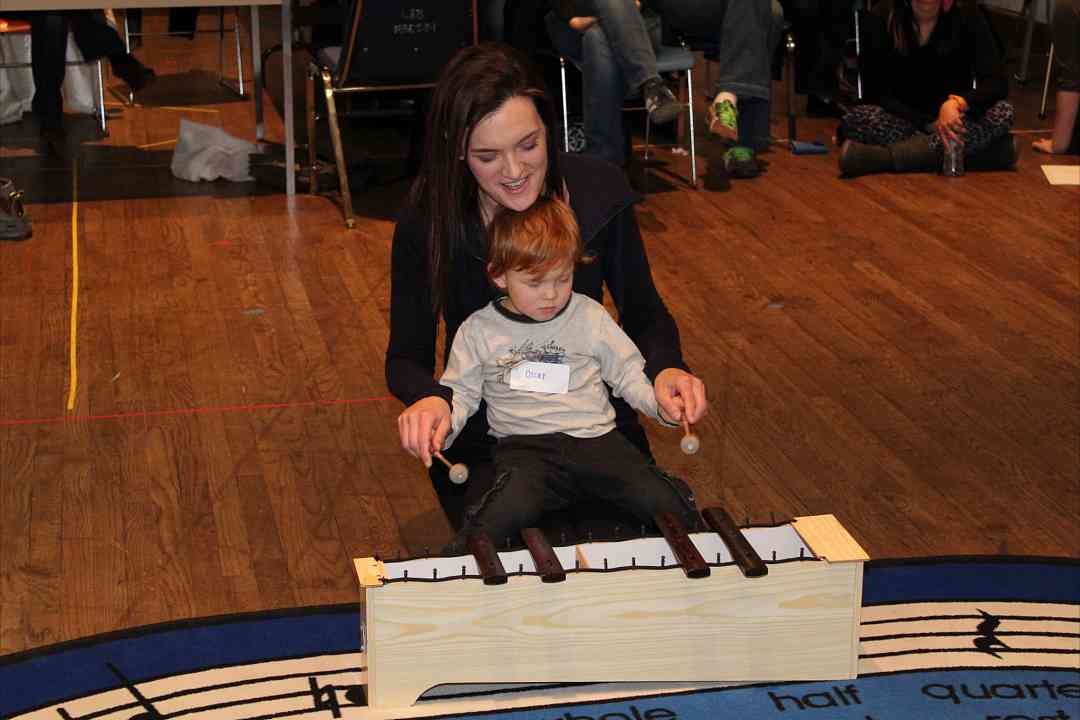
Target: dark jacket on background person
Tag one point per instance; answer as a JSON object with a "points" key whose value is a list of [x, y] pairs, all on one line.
{"points": [[913, 85]]}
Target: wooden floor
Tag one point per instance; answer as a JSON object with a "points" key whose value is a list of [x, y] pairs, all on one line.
{"points": [[900, 351]]}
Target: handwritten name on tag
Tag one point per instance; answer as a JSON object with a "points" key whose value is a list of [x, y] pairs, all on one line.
{"points": [[541, 377]]}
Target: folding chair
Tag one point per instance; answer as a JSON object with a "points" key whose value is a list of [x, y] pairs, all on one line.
{"points": [[239, 90], [669, 59], [22, 27], [389, 45]]}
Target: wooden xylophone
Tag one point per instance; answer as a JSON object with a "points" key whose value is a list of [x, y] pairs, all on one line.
{"points": [[763, 603]]}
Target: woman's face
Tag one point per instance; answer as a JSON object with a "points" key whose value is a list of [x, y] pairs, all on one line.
{"points": [[507, 155]]}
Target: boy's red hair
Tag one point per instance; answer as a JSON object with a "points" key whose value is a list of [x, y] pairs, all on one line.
{"points": [[536, 240]]}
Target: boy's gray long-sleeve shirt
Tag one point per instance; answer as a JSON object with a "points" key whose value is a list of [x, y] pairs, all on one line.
{"points": [[492, 341]]}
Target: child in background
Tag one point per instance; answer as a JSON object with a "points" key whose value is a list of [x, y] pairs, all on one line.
{"points": [[540, 357]]}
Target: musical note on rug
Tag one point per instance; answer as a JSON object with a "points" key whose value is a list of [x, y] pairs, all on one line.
{"points": [[954, 634], [149, 711], [987, 640], [325, 697]]}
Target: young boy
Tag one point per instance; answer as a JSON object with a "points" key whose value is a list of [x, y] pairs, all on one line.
{"points": [[540, 357]]}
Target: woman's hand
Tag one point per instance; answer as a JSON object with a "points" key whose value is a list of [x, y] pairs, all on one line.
{"points": [[950, 123], [424, 425], [677, 391]]}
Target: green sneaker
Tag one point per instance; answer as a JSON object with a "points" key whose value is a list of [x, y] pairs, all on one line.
{"points": [[741, 162], [724, 120]]}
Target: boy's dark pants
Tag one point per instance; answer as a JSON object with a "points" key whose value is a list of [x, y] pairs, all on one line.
{"points": [[539, 474]]}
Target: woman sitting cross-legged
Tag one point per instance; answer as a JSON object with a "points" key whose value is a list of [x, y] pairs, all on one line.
{"points": [[933, 77]]}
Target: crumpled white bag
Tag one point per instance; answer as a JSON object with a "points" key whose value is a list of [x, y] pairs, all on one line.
{"points": [[17, 84], [205, 152]]}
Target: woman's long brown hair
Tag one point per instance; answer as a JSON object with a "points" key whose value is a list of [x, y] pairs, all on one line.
{"points": [[903, 31], [476, 83]]}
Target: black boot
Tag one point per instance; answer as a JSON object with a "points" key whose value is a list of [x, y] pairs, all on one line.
{"points": [[1001, 154], [915, 155], [14, 225], [858, 158], [131, 71]]}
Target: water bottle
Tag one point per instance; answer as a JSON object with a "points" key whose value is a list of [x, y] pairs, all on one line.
{"points": [[953, 163]]}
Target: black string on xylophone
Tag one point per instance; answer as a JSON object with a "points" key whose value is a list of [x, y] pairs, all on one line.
{"points": [[802, 552], [633, 561], [435, 573], [406, 576], [663, 560], [462, 572], [605, 564], [717, 558], [521, 568], [774, 556]]}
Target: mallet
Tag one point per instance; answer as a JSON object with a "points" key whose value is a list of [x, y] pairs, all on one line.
{"points": [[690, 443], [459, 472]]}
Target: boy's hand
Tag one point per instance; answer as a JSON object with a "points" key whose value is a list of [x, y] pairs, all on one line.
{"points": [[679, 392], [423, 426]]}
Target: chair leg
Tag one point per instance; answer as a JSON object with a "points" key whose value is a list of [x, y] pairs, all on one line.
{"points": [[239, 50], [648, 124], [690, 112], [309, 99], [221, 43], [101, 98], [127, 49], [1046, 83], [565, 112], [339, 153]]}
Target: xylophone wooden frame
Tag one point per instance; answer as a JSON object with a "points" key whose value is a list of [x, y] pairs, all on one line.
{"points": [[799, 622]]}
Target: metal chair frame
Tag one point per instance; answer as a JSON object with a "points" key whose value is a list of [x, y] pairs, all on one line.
{"points": [[100, 111], [689, 102], [334, 83], [239, 88]]}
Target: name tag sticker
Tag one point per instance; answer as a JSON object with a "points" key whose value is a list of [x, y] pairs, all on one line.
{"points": [[541, 377]]}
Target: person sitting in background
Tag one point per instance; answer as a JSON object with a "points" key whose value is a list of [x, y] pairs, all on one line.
{"points": [[610, 42], [919, 60], [1066, 33], [48, 51], [745, 33]]}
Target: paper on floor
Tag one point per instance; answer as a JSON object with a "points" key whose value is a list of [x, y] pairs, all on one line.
{"points": [[1062, 174]]}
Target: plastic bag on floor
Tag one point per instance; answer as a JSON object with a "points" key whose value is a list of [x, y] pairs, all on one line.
{"points": [[204, 152]]}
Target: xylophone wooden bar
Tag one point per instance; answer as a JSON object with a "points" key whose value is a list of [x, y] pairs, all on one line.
{"points": [[547, 563], [744, 554], [688, 556]]}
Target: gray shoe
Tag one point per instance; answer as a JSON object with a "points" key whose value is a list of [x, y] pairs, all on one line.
{"points": [[660, 102], [14, 225]]}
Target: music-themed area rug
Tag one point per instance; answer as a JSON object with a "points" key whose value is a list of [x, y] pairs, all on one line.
{"points": [[950, 638]]}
